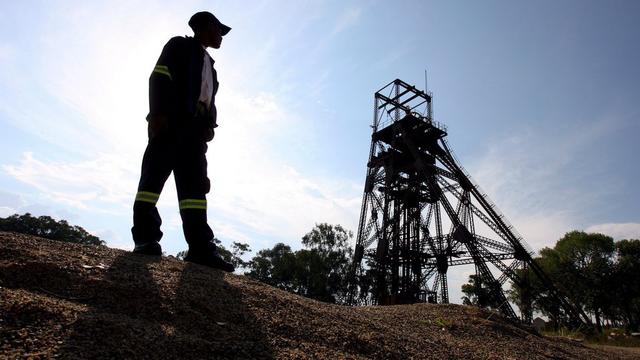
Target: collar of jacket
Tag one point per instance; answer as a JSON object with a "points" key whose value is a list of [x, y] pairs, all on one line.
{"points": [[201, 49]]}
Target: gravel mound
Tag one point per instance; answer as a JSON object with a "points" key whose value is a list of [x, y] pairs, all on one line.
{"points": [[71, 301]]}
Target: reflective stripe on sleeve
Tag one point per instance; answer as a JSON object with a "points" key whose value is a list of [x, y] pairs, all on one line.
{"points": [[147, 196], [162, 69], [193, 204]]}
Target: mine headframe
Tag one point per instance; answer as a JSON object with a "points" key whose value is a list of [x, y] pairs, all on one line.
{"points": [[422, 213]]}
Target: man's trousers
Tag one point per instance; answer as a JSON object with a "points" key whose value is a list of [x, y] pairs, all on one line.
{"points": [[183, 154]]}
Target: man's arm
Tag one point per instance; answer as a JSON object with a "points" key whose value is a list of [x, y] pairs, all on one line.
{"points": [[161, 87]]}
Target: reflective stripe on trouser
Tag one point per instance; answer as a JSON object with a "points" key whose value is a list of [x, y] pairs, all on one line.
{"points": [[147, 196], [185, 156], [200, 204]]}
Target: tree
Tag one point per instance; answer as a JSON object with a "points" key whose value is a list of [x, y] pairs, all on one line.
{"points": [[318, 272], [47, 227], [627, 279], [238, 249], [275, 267], [476, 293], [587, 262], [331, 253], [581, 265]]}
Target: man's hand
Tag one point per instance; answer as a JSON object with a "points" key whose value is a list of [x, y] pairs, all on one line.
{"points": [[158, 124], [209, 134]]}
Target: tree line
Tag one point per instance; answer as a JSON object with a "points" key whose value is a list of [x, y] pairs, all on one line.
{"points": [[47, 227], [318, 271], [600, 276]]}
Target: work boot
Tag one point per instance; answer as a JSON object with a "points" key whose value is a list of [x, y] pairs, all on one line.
{"points": [[149, 248], [208, 255]]}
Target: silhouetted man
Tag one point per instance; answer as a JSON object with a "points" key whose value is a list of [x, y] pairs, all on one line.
{"points": [[182, 119]]}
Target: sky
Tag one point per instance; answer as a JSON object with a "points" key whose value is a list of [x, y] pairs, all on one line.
{"points": [[540, 100]]}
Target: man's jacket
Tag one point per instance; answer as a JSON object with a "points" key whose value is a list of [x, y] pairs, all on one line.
{"points": [[174, 84]]}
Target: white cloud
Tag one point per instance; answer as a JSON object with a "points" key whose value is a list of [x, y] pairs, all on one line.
{"points": [[7, 53], [112, 238], [261, 191], [86, 184], [9, 202], [535, 179], [347, 19], [543, 229], [6, 211], [33, 207], [617, 231], [102, 76]]}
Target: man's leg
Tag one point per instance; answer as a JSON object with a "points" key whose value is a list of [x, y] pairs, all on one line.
{"points": [[157, 164], [193, 185]]}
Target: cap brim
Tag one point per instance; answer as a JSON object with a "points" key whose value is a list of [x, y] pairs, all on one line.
{"points": [[224, 29]]}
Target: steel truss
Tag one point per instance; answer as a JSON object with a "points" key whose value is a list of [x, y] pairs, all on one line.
{"points": [[422, 213]]}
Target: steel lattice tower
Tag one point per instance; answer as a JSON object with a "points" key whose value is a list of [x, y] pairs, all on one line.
{"points": [[422, 213]]}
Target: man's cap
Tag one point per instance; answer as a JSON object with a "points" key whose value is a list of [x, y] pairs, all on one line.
{"points": [[200, 20]]}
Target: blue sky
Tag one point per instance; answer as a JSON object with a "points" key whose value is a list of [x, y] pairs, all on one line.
{"points": [[540, 99]]}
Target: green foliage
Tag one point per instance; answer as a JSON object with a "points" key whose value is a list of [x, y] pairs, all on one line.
{"points": [[626, 281], [47, 227], [475, 292], [586, 264], [274, 266], [598, 274], [364, 285], [318, 272], [238, 249]]}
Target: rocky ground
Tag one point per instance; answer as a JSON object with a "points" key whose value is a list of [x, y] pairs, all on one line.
{"points": [[70, 301]]}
